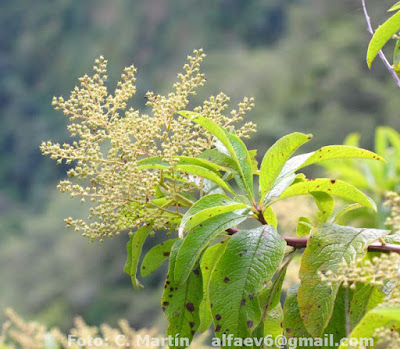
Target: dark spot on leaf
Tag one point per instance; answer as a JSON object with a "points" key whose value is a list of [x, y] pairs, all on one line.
{"points": [[143, 267], [171, 289], [190, 307], [218, 328], [218, 317], [323, 272], [191, 324], [242, 302], [333, 181], [226, 280], [251, 296], [288, 330], [244, 251], [165, 304], [193, 332], [196, 271], [168, 282], [170, 296], [249, 323], [165, 254]]}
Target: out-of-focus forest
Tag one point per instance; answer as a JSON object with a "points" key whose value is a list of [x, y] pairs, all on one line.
{"points": [[302, 60]]}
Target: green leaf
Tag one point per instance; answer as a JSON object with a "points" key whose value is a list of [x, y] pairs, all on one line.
{"points": [[156, 257], [270, 217], [395, 7], [208, 262], [293, 325], [276, 157], [344, 210], [271, 294], [365, 298], [382, 316], [154, 162], [134, 250], [210, 212], [199, 238], [304, 226], [250, 260], [220, 159], [331, 152], [233, 145], [245, 164], [333, 187], [181, 303], [325, 204], [207, 202], [381, 36], [204, 173], [188, 160], [327, 248], [272, 326]]}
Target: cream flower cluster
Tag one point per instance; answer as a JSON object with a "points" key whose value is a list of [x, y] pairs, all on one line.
{"points": [[109, 138]]}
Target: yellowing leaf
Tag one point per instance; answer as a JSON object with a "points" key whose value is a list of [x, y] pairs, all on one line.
{"points": [[332, 187], [327, 248], [381, 36]]}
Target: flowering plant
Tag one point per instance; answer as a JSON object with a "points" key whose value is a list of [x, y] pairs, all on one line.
{"points": [[191, 172]]}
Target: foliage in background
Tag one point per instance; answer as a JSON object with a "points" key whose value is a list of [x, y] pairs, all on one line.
{"points": [[375, 178]]}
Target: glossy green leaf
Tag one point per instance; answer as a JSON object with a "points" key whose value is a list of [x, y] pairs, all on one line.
{"points": [[199, 238], [208, 261], [181, 303], [250, 260], [204, 203], [381, 36], [276, 157], [304, 226], [331, 152], [382, 316], [134, 250], [245, 164], [327, 248], [204, 173], [156, 256], [331, 187]]}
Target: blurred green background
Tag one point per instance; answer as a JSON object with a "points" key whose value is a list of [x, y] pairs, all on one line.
{"points": [[302, 60]]}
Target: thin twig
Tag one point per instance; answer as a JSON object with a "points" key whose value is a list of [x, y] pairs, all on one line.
{"points": [[299, 243], [381, 54]]}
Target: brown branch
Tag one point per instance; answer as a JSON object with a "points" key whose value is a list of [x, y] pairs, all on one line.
{"points": [[299, 243], [381, 54]]}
